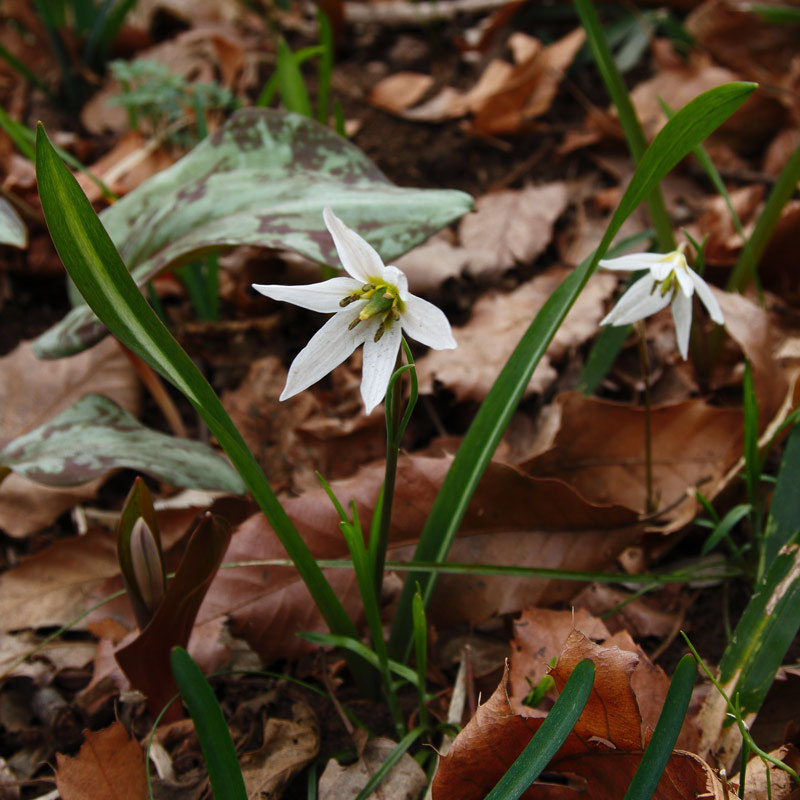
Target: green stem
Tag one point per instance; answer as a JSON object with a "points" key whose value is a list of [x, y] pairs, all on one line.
{"points": [[648, 439]]}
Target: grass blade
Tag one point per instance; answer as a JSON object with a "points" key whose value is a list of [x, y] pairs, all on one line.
{"points": [[691, 125], [784, 513], [549, 738], [655, 758], [219, 753]]}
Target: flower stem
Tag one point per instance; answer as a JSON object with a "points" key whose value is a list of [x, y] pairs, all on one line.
{"points": [[648, 441], [396, 423]]}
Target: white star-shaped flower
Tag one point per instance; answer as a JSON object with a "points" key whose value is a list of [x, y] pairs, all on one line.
{"points": [[670, 281], [371, 307]]}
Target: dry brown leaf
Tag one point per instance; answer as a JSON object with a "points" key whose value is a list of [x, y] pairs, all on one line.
{"points": [[599, 450], [544, 524], [130, 162], [400, 91], [496, 326], [781, 786], [109, 765], [34, 391], [432, 263], [758, 50], [405, 781], [529, 89], [287, 745], [511, 227], [599, 757]]}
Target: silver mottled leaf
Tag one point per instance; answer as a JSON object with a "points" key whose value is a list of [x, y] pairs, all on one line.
{"points": [[94, 436], [262, 179], [12, 228]]}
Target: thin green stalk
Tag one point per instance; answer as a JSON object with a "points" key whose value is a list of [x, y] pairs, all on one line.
{"points": [[386, 767], [751, 254], [325, 71], [648, 439], [510, 571], [736, 715], [637, 144], [421, 652], [396, 424]]}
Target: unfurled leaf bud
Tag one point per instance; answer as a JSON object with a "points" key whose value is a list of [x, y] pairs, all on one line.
{"points": [[148, 570]]}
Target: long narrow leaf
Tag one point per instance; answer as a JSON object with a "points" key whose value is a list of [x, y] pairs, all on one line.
{"points": [[655, 758], [97, 270], [548, 739], [691, 125], [219, 753]]}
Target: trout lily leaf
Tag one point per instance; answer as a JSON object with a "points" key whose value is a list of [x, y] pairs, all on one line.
{"points": [[670, 281], [371, 307]]}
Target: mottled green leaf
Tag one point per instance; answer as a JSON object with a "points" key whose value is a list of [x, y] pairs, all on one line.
{"points": [[262, 179], [12, 228], [95, 436]]}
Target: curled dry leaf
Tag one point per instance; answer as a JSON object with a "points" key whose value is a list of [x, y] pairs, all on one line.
{"points": [[33, 392], [496, 326], [598, 759], [544, 523], [504, 98], [405, 781], [109, 765], [780, 786]]}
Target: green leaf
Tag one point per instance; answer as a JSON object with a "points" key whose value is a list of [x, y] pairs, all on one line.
{"points": [[693, 123], [262, 179], [95, 435], [655, 758], [290, 82], [767, 628], [219, 753], [783, 522], [551, 735], [97, 270], [13, 231]]}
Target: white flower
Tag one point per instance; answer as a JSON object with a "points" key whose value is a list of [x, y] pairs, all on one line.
{"points": [[670, 281], [371, 307]]}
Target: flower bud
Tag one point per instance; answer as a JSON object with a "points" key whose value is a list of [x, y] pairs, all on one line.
{"points": [[148, 570]]}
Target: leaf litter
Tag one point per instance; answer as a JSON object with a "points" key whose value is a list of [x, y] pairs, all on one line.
{"points": [[566, 489]]}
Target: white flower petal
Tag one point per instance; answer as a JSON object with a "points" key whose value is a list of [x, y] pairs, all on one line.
{"points": [[685, 279], [707, 296], [638, 302], [328, 347], [682, 316], [323, 296], [632, 262], [358, 257], [396, 277], [427, 324], [380, 360]]}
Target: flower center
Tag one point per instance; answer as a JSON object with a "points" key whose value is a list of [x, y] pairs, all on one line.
{"points": [[383, 299]]}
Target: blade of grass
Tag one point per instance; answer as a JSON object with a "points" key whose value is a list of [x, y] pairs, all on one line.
{"points": [[97, 270], [634, 135], [551, 735], [290, 82], [783, 521], [325, 71], [693, 123], [421, 653], [655, 758], [219, 753], [271, 86]]}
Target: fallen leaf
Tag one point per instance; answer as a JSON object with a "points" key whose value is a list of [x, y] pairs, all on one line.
{"points": [[400, 91], [693, 444], [546, 524], [286, 746], [109, 765], [498, 322], [405, 781], [780, 786], [511, 227], [33, 392], [599, 757]]}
